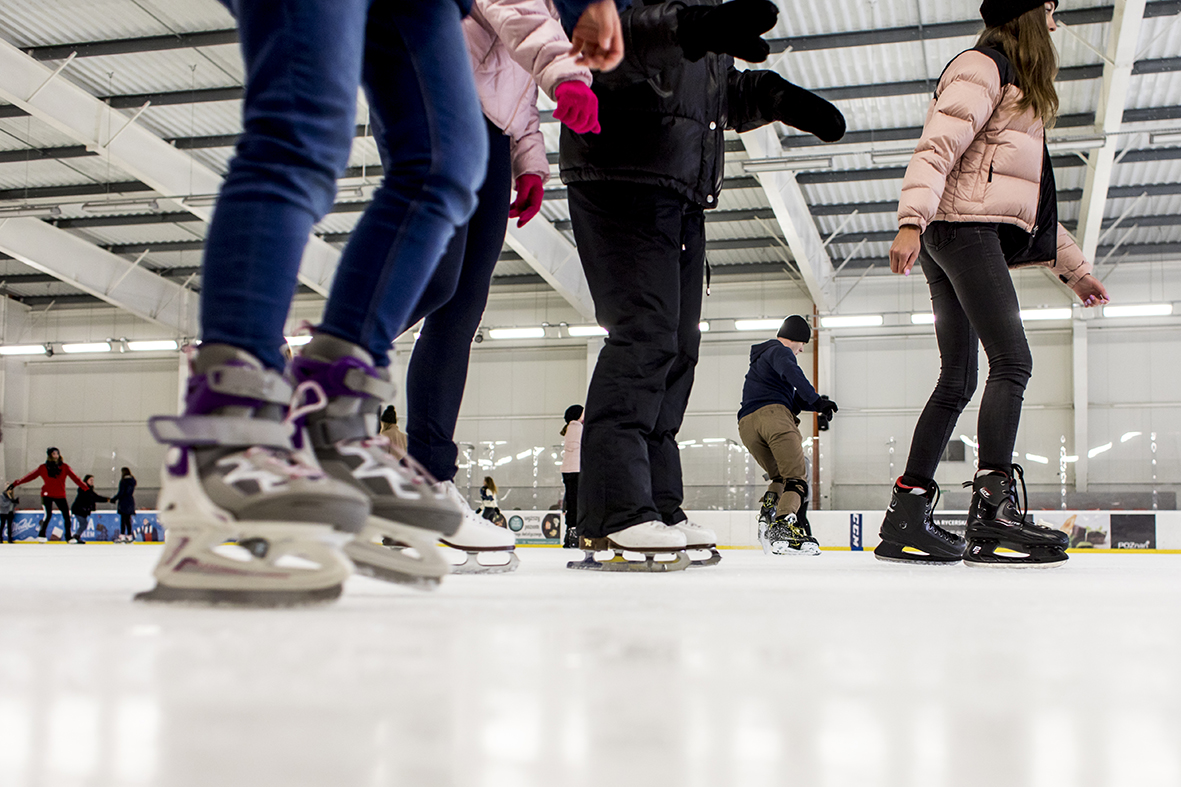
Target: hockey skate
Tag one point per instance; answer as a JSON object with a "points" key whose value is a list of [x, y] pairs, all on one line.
{"points": [[410, 511], [909, 535], [784, 536], [700, 539], [650, 539], [767, 507], [231, 475], [1000, 534], [478, 537]]}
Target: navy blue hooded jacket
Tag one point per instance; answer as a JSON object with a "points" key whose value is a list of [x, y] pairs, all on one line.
{"points": [[775, 378]]}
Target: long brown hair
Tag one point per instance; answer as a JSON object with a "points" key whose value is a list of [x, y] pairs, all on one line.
{"points": [[1026, 42], [490, 484]]}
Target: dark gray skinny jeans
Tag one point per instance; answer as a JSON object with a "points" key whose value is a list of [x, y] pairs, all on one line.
{"points": [[975, 303]]}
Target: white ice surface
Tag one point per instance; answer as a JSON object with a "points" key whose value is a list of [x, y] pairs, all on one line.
{"points": [[834, 670]]}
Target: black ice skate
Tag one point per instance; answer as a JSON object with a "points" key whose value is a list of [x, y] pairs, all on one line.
{"points": [[767, 508], [650, 539], [1000, 533], [785, 536], [909, 535]]}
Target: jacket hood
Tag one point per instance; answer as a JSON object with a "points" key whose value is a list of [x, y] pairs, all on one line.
{"points": [[759, 349]]}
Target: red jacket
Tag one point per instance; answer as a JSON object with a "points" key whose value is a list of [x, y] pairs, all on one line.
{"points": [[51, 487]]}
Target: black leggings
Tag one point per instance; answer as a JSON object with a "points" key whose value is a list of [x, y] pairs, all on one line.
{"points": [[571, 500], [6, 521], [975, 302], [125, 523], [49, 503]]}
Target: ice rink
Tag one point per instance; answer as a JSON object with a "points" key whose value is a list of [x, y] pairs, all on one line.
{"points": [[835, 670]]}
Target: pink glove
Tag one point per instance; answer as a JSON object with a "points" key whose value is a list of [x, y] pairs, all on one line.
{"points": [[529, 195], [578, 107]]}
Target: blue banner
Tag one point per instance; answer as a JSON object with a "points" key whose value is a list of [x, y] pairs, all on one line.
{"points": [[101, 526], [855, 532]]}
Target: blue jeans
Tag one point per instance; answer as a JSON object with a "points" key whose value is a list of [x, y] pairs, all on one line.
{"points": [[453, 304], [975, 303], [304, 61]]}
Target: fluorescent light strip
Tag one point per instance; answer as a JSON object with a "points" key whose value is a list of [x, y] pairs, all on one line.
{"points": [[1033, 315], [586, 330], [703, 326], [1165, 138], [902, 157], [1094, 452], [922, 318], [1041, 460], [757, 325], [852, 321], [517, 333], [1126, 436], [23, 349], [152, 346], [87, 347], [1140, 310], [297, 341]]}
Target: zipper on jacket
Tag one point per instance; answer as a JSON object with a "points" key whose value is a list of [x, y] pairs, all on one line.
{"points": [[990, 173]]}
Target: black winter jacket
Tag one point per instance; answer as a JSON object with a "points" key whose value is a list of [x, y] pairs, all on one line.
{"points": [[86, 501], [663, 116], [125, 497], [775, 377]]}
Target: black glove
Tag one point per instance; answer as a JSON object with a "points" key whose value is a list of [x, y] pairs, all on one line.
{"points": [[732, 28], [822, 423], [826, 407], [799, 108]]}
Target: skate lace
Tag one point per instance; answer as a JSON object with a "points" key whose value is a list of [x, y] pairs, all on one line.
{"points": [[319, 401], [282, 463], [1023, 506], [946, 535], [415, 472]]}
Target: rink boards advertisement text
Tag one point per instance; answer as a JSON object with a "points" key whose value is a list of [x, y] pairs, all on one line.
{"points": [[101, 526]]}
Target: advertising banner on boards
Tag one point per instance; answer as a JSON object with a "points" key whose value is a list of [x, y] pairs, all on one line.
{"points": [[535, 527]]}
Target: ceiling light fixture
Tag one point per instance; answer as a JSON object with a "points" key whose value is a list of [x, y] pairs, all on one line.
{"points": [[1041, 460], [1140, 310], [1094, 452], [1074, 144], [786, 164], [517, 333], [1165, 138], [122, 204], [200, 200], [757, 325], [297, 341], [29, 211], [23, 349], [152, 345], [86, 347], [922, 318], [703, 326], [1033, 315], [1126, 436], [852, 321], [586, 330], [900, 157]]}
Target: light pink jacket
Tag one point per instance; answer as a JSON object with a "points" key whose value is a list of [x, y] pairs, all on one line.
{"points": [[572, 447], [516, 45], [980, 159]]}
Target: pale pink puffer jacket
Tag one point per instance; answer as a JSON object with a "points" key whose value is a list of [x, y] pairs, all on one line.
{"points": [[980, 159], [514, 46]]}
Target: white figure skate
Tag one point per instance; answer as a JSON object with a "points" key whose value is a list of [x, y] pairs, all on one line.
{"points": [[650, 539], [700, 539], [478, 537], [231, 476]]}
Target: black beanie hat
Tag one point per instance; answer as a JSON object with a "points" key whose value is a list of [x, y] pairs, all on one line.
{"points": [[795, 329], [573, 413], [999, 12], [390, 415], [49, 452]]}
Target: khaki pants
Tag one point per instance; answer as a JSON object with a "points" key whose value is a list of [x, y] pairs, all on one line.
{"points": [[772, 435]]}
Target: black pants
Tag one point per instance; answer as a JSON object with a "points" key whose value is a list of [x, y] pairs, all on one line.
{"points": [[453, 304], [975, 302], [570, 501], [643, 251], [49, 503], [83, 523], [6, 522], [125, 523]]}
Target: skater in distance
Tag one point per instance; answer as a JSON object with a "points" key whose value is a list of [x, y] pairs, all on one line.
{"points": [[774, 394], [978, 199], [53, 474]]}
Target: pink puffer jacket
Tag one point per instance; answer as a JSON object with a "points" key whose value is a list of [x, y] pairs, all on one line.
{"points": [[980, 159], [516, 45]]}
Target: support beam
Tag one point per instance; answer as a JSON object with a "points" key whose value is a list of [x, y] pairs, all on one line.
{"points": [[1081, 397], [555, 259], [795, 221], [129, 146], [1117, 74], [99, 273]]}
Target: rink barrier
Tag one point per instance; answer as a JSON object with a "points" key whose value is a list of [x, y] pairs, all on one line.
{"points": [[1101, 532]]}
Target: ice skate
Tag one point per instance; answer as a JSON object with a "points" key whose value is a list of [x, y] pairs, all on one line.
{"points": [[910, 535], [230, 475], [650, 539], [410, 512], [1000, 534], [767, 508], [479, 538], [700, 539], [784, 536]]}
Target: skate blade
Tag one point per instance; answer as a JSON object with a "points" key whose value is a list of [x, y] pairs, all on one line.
{"points": [[205, 597], [805, 550], [472, 564], [714, 558], [619, 563], [889, 552], [423, 571], [990, 555]]}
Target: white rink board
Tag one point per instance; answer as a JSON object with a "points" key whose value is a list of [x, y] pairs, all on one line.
{"points": [[832, 528]]}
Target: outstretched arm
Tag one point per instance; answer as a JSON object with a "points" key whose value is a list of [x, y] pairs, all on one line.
{"points": [[757, 98], [35, 474]]}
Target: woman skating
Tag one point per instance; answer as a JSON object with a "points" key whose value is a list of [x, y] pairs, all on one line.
{"points": [[53, 475], [979, 198], [571, 466], [124, 501]]}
